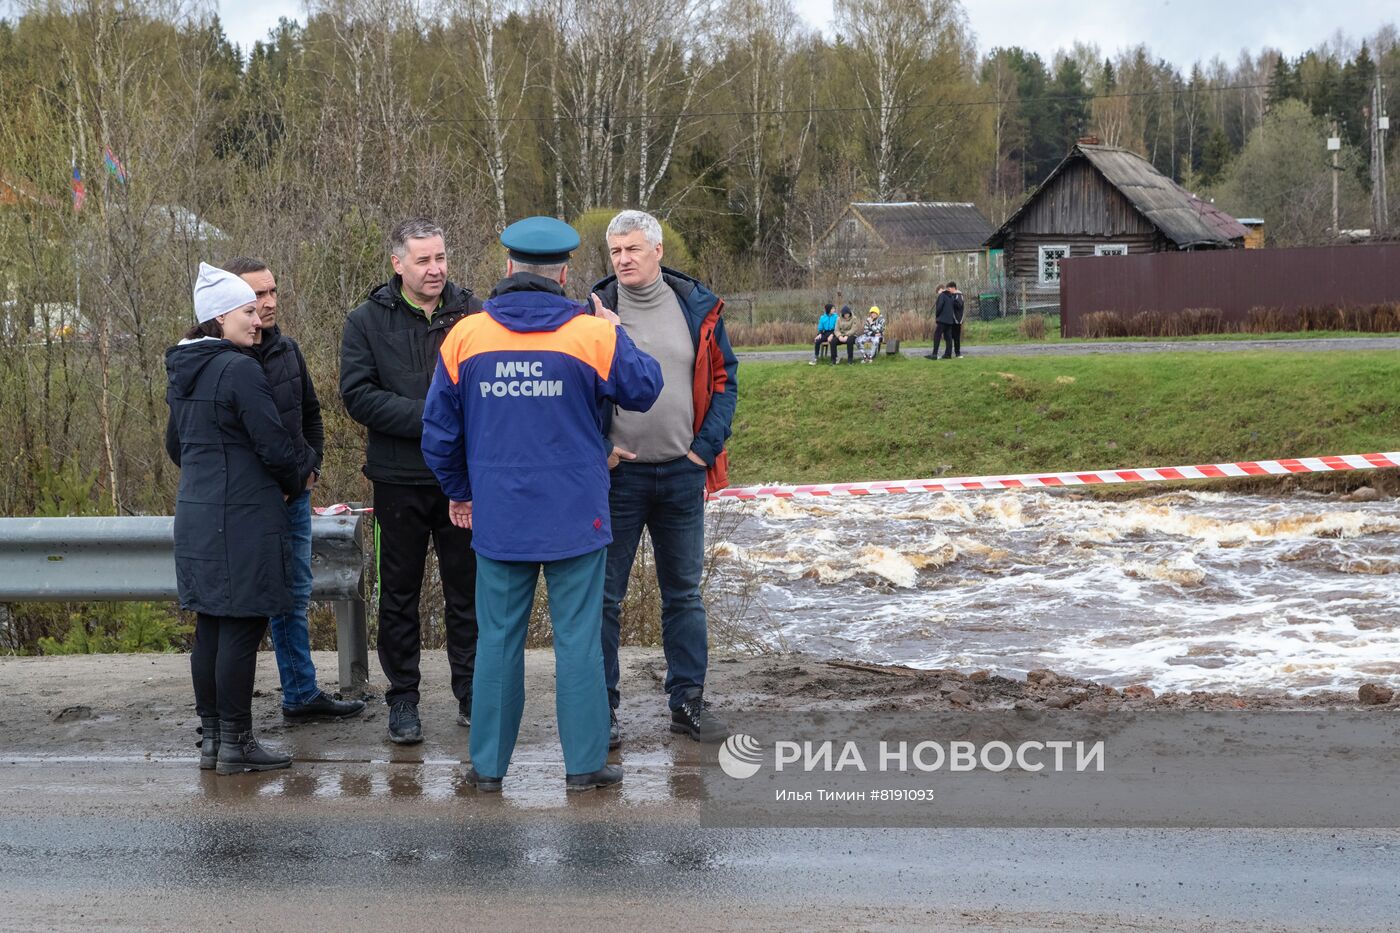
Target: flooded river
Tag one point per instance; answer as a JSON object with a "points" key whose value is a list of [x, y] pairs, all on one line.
{"points": [[1182, 591]]}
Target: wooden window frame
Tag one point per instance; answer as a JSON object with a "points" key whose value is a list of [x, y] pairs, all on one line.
{"points": [[1040, 262], [1111, 249]]}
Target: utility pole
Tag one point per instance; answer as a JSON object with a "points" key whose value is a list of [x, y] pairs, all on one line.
{"points": [[1334, 145], [1380, 213]]}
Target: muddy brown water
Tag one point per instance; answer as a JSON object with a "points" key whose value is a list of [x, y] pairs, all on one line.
{"points": [[1186, 590]]}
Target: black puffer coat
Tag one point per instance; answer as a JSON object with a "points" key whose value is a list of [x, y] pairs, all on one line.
{"points": [[949, 308], [292, 390], [236, 459], [388, 353]]}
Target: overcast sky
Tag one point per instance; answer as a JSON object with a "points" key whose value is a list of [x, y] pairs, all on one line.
{"points": [[1181, 31]]}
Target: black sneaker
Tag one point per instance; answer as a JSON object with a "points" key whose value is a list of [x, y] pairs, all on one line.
{"points": [[606, 776], [323, 707], [695, 720], [614, 732], [405, 728], [464, 714], [487, 785]]}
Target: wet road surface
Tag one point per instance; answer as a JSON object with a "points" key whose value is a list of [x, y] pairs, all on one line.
{"points": [[129, 843]]}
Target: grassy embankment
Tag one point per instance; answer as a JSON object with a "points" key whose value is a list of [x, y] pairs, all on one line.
{"points": [[1008, 331], [911, 418]]}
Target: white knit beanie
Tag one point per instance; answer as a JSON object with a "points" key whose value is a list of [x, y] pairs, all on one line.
{"points": [[218, 292]]}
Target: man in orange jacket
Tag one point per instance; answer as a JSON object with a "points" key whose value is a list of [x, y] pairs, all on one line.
{"points": [[665, 459]]}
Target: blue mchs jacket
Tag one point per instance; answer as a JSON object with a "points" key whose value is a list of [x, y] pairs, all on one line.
{"points": [[513, 419]]}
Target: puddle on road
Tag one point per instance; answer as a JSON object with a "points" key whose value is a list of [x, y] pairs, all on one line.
{"points": [[1182, 590], [650, 777]]}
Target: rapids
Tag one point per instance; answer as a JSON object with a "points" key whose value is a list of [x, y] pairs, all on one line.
{"points": [[1180, 590]]}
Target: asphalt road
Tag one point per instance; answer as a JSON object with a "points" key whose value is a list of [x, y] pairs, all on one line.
{"points": [[1117, 347], [131, 843]]}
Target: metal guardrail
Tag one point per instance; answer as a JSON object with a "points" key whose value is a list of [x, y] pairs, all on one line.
{"points": [[122, 559]]}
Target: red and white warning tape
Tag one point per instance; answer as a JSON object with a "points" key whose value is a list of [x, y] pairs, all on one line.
{"points": [[1024, 480], [340, 508], [1088, 478]]}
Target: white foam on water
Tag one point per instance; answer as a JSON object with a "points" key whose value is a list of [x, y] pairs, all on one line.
{"points": [[1182, 590], [1300, 654], [1172, 521], [1181, 570]]}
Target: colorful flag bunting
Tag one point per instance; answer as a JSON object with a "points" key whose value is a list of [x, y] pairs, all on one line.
{"points": [[114, 165], [79, 190]]}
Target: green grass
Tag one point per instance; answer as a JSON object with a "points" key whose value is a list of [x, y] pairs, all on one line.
{"points": [[1007, 331], [911, 418]]}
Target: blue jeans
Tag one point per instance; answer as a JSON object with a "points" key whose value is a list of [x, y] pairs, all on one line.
{"points": [[505, 593], [668, 499], [291, 636]]}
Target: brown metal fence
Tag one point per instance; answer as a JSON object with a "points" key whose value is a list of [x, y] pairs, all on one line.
{"points": [[1231, 288]]}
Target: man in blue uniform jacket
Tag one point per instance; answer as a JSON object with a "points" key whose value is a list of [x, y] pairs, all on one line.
{"points": [[512, 428]]}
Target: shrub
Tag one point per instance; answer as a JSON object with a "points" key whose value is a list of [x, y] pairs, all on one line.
{"points": [[907, 326], [771, 333], [1197, 321], [1032, 327], [102, 628], [1103, 324], [1378, 318]]}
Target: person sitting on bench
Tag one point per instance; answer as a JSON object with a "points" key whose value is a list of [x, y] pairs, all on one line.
{"points": [[826, 327], [869, 342], [847, 330]]}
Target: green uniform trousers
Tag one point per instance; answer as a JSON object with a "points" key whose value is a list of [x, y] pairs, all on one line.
{"points": [[505, 595]]}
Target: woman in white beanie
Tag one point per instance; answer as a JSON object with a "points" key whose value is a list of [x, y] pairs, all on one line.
{"points": [[237, 465]]}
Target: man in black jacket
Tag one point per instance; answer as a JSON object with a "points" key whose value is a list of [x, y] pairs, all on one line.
{"points": [[948, 316], [300, 410], [387, 356]]}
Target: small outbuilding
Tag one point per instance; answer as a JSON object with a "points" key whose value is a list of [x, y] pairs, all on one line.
{"points": [[1105, 201], [944, 237]]}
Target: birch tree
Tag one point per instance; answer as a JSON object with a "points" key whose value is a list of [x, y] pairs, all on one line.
{"points": [[901, 53], [496, 75]]}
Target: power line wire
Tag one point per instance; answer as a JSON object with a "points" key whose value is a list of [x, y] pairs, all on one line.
{"points": [[668, 116]]}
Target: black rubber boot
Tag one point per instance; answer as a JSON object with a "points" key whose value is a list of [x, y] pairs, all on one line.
{"points": [[606, 776], [239, 751], [208, 742]]}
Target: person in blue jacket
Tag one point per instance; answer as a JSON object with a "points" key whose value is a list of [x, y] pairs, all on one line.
{"points": [[826, 332], [512, 429]]}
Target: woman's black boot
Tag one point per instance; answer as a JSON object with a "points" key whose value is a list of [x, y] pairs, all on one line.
{"points": [[239, 751], [208, 742]]}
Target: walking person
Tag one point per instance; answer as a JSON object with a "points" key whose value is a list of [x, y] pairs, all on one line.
{"points": [[826, 329], [295, 397], [387, 355], [512, 428], [948, 312], [847, 330], [238, 467], [665, 460]]}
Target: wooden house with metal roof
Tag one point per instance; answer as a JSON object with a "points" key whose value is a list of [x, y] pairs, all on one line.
{"points": [[1104, 201], [945, 237]]}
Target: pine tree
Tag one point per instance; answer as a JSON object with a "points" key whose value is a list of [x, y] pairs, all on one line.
{"points": [[1283, 84]]}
